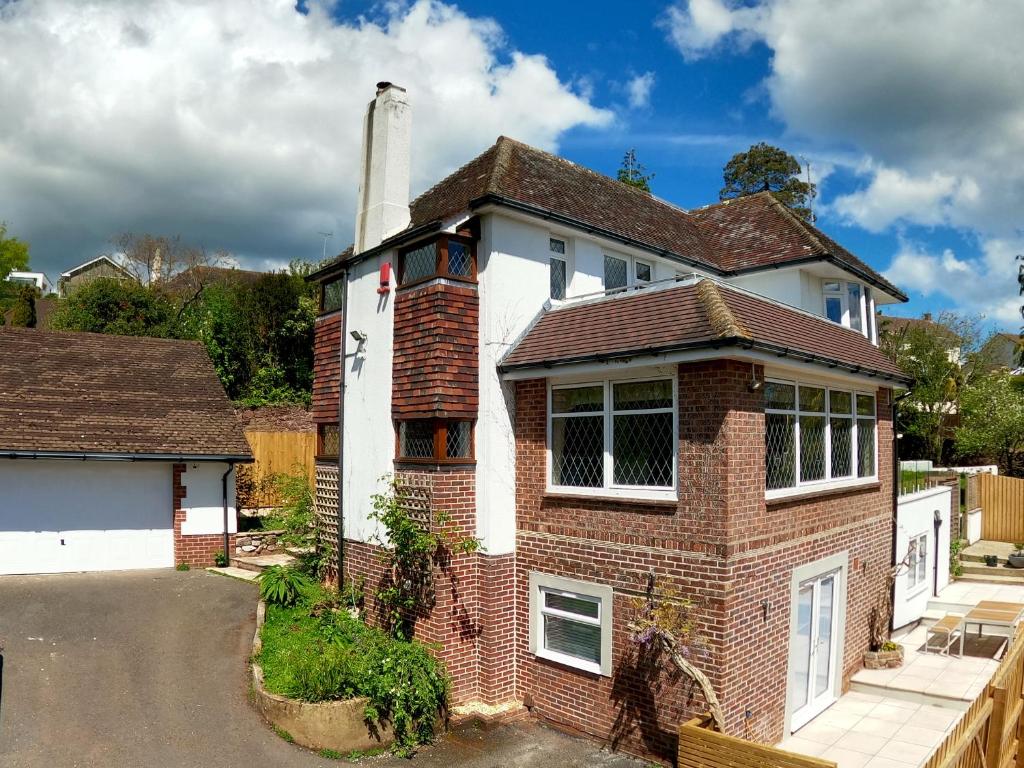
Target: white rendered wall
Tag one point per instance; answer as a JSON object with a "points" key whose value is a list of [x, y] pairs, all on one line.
{"points": [[369, 439], [915, 515], [204, 500], [785, 286]]}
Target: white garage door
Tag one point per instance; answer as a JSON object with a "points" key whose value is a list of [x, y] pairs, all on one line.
{"points": [[58, 516]]}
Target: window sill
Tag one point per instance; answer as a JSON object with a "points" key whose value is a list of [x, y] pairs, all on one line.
{"points": [[419, 282], [577, 665], [668, 500], [435, 463], [819, 491]]}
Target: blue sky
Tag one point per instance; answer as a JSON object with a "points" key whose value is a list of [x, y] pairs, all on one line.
{"points": [[234, 124]]}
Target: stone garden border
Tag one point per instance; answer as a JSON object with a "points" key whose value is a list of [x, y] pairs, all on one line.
{"points": [[335, 725]]}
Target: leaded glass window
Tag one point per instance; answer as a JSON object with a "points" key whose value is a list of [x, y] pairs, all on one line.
{"points": [[460, 261], [435, 440], [416, 439], [814, 434], [557, 267], [332, 295], [419, 263], [457, 439], [615, 275], [327, 441], [618, 434]]}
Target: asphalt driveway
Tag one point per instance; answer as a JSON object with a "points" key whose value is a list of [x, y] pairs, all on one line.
{"points": [[149, 668]]}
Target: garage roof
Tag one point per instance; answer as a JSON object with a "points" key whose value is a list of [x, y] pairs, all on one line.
{"points": [[89, 393]]}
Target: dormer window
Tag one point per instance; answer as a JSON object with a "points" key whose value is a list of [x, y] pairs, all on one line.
{"points": [[449, 256]]}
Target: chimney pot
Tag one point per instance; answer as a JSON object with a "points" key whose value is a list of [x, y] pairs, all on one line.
{"points": [[382, 86]]}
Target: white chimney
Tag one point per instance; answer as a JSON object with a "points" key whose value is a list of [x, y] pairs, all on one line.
{"points": [[383, 204]]}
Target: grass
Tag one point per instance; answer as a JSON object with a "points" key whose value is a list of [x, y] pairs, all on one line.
{"points": [[182, 567], [284, 734]]}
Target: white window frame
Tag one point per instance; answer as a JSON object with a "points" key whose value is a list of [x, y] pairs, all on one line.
{"points": [[602, 594], [563, 257], [828, 482], [609, 487], [631, 279], [843, 294], [917, 567]]}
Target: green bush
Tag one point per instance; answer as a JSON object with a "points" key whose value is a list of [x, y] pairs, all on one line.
{"points": [[283, 585], [296, 515], [220, 559], [314, 652]]}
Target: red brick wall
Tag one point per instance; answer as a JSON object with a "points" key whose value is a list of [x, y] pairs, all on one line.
{"points": [[326, 368], [721, 545], [473, 635], [196, 551], [436, 361]]}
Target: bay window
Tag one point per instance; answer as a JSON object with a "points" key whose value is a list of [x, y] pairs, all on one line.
{"points": [[816, 434], [435, 440], [613, 435], [850, 304], [448, 256]]}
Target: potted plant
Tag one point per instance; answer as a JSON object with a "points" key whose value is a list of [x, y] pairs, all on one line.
{"points": [[991, 560], [1016, 558]]}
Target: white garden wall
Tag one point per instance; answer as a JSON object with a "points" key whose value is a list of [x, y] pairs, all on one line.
{"points": [[916, 515]]}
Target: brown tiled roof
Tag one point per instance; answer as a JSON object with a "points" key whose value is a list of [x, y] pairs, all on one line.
{"points": [[706, 314], [64, 392], [743, 235], [202, 275]]}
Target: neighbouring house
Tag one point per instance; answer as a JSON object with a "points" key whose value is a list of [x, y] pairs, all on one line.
{"points": [[118, 453], [1005, 350], [196, 278], [39, 280], [102, 266], [608, 390]]}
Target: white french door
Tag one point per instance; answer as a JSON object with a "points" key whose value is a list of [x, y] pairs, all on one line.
{"points": [[815, 648]]}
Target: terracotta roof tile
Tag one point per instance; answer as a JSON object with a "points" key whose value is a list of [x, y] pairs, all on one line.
{"points": [[92, 393], [701, 315], [741, 235]]}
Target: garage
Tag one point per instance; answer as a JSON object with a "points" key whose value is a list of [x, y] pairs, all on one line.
{"points": [[116, 453], [58, 516]]}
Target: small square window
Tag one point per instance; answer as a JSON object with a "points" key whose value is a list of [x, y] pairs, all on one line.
{"points": [[327, 441], [571, 622], [557, 246], [416, 439], [457, 441], [331, 296], [419, 263], [643, 272], [460, 262]]}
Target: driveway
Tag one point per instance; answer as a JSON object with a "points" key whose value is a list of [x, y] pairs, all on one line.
{"points": [[149, 668]]}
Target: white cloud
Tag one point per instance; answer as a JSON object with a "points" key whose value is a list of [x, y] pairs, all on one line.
{"points": [[236, 123], [929, 93], [639, 88], [984, 285]]}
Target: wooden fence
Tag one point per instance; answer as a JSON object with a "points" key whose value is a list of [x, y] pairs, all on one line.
{"points": [[701, 747], [274, 453], [1002, 508], [989, 733]]}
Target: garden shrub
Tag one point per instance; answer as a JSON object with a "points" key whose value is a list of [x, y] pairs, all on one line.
{"points": [[315, 652], [283, 585]]}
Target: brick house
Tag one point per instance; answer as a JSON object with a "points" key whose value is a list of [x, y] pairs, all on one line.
{"points": [[609, 390]]}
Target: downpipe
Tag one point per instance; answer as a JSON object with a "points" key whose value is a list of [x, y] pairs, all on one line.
{"points": [[224, 498]]}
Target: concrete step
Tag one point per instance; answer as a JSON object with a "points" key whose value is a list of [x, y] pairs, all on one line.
{"points": [[236, 573], [968, 558], [991, 578], [976, 569], [259, 563]]}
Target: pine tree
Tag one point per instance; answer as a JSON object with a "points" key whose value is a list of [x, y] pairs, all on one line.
{"points": [[764, 168], [634, 173]]}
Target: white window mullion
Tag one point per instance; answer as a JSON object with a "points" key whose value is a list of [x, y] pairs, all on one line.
{"points": [[828, 434], [608, 435], [796, 446]]}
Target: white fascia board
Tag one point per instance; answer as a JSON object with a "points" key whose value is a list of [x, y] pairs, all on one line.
{"points": [[777, 365]]}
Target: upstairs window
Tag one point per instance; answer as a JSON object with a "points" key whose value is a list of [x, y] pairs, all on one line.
{"points": [[615, 273], [558, 268], [618, 436], [642, 271], [816, 434], [849, 304], [332, 294], [435, 440], [448, 256]]}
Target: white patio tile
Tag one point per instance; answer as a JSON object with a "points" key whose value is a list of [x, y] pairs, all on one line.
{"points": [[840, 718], [937, 718], [876, 726], [845, 758], [914, 734], [859, 696], [906, 752], [894, 712], [803, 746], [901, 703], [855, 707], [822, 733], [949, 690], [876, 676], [862, 742]]}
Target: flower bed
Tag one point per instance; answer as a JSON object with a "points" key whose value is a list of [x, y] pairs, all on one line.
{"points": [[320, 668]]}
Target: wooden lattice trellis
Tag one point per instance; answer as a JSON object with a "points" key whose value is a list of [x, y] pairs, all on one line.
{"points": [[414, 496], [326, 505]]}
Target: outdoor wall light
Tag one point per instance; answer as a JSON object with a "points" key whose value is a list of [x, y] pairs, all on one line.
{"points": [[358, 336]]}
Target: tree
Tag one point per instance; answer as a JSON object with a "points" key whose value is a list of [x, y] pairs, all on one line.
{"points": [[23, 313], [13, 253], [120, 307], [944, 357], [634, 173], [154, 258], [764, 168], [993, 422]]}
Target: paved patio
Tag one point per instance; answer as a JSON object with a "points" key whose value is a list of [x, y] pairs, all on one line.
{"points": [[864, 730]]}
